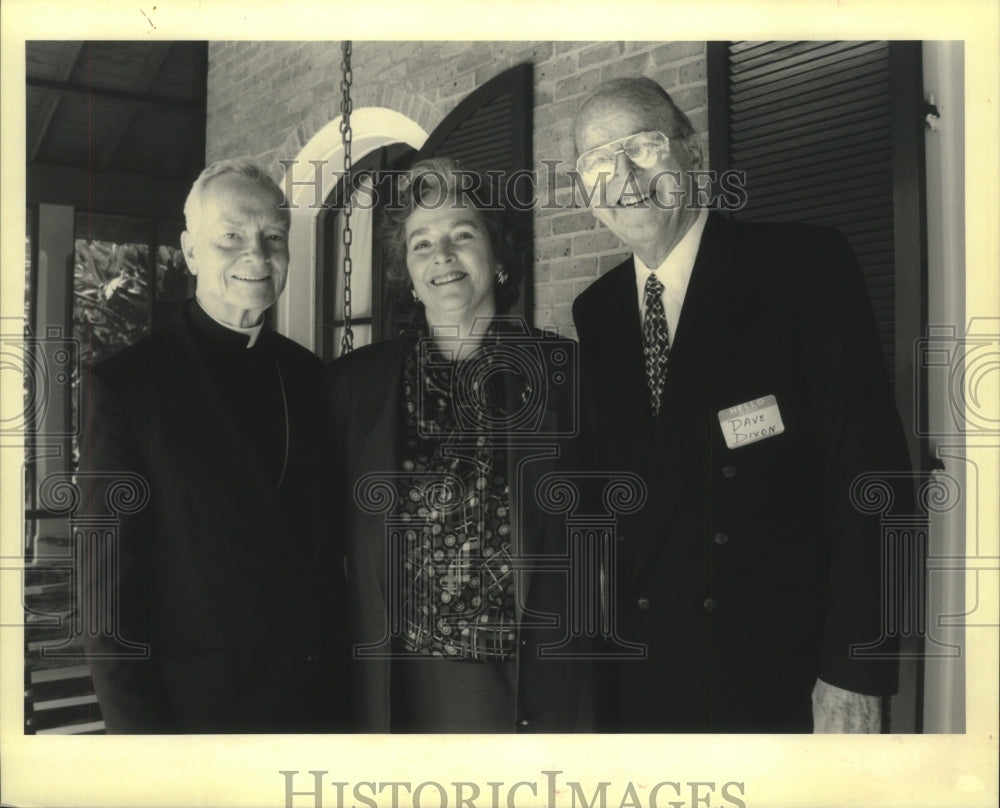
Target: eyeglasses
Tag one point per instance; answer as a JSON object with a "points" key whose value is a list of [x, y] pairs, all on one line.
{"points": [[642, 148]]}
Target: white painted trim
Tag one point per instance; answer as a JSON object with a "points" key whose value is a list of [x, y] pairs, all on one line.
{"points": [[372, 128], [944, 677]]}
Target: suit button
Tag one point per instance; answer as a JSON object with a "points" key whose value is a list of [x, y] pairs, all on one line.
{"points": [[729, 471], [642, 603], [312, 658], [621, 537], [711, 605], [721, 538], [524, 722]]}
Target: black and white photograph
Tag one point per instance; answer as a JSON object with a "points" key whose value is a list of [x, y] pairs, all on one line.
{"points": [[615, 410]]}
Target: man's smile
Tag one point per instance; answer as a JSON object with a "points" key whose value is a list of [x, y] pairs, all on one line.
{"points": [[633, 196], [632, 200]]}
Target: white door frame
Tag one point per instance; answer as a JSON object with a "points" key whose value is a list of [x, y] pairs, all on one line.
{"points": [[315, 171]]}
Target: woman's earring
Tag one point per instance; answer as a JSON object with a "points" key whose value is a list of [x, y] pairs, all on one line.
{"points": [[414, 293], [502, 276]]}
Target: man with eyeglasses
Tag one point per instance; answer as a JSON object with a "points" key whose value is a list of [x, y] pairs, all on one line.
{"points": [[736, 368]]}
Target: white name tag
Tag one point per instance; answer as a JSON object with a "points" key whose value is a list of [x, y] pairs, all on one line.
{"points": [[750, 422]]}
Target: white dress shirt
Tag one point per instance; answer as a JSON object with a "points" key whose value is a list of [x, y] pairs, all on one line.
{"points": [[674, 273]]}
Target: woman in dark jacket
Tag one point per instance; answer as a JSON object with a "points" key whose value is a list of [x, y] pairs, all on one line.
{"points": [[442, 435]]}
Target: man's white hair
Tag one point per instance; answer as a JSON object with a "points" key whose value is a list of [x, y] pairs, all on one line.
{"points": [[644, 93], [242, 166]]}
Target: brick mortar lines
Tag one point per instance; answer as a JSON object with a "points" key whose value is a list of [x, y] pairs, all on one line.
{"points": [[248, 75]]}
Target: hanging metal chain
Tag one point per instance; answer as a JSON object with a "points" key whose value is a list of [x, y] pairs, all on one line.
{"points": [[347, 78]]}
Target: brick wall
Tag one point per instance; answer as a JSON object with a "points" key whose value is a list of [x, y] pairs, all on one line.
{"points": [[269, 99]]}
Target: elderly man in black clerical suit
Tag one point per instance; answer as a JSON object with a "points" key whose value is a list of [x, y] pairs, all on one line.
{"points": [[230, 575], [736, 368]]}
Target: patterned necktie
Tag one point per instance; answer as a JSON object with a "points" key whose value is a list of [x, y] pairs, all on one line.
{"points": [[655, 343]]}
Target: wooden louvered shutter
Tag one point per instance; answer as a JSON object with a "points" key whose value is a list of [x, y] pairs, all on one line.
{"points": [[831, 133], [489, 130]]}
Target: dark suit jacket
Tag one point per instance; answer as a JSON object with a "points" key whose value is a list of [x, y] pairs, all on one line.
{"points": [[748, 573], [365, 396], [235, 598]]}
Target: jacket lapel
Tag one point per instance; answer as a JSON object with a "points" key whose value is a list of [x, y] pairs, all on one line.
{"points": [[619, 356], [527, 463], [376, 451], [220, 454], [683, 430]]}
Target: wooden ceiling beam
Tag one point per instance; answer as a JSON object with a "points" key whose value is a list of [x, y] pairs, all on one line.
{"points": [[133, 194], [114, 136], [38, 127], [68, 59], [65, 88], [39, 124]]}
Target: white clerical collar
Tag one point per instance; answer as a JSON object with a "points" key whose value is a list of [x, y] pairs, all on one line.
{"points": [[674, 273], [250, 332]]}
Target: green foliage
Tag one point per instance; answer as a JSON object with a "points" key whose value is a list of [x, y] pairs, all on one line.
{"points": [[111, 296]]}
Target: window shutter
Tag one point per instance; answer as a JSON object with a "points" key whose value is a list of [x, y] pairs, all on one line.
{"points": [[832, 133], [490, 129], [814, 126]]}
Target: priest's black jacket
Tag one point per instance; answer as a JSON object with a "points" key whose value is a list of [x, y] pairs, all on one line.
{"points": [[225, 574]]}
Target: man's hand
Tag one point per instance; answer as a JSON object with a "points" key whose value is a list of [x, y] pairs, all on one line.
{"points": [[836, 710]]}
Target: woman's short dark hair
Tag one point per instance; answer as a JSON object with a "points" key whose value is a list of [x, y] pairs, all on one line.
{"points": [[434, 182]]}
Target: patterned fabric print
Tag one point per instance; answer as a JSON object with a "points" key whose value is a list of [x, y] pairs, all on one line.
{"points": [[457, 582], [655, 342]]}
